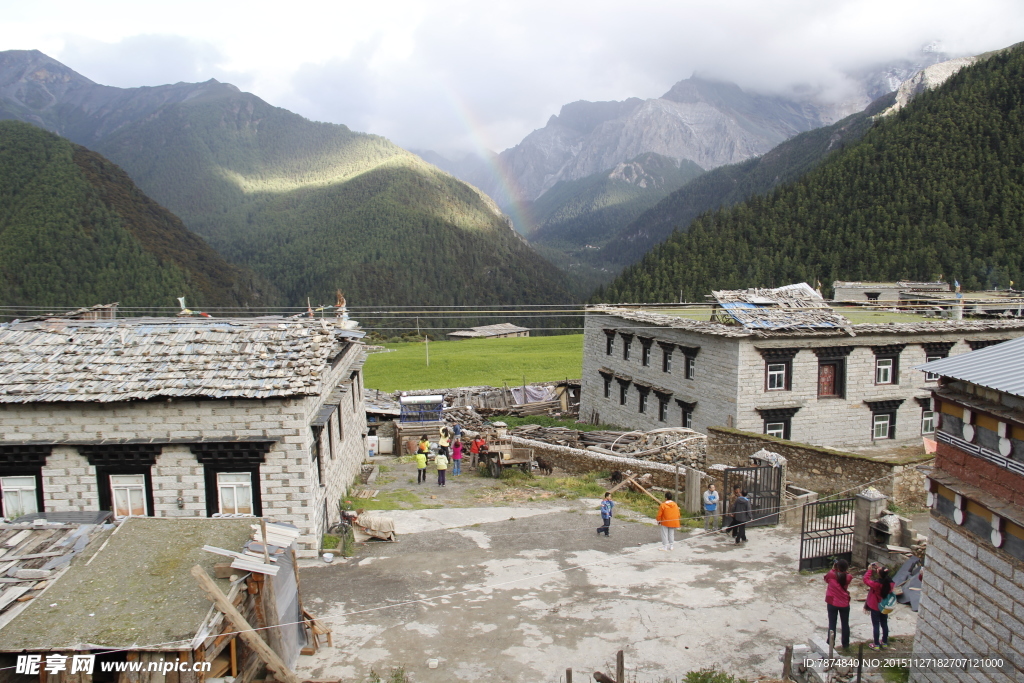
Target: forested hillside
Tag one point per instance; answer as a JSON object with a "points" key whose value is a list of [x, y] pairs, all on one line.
{"points": [[936, 189], [575, 218], [312, 206], [732, 184], [75, 230]]}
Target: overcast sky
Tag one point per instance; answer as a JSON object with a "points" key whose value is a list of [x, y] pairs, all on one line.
{"points": [[449, 74]]}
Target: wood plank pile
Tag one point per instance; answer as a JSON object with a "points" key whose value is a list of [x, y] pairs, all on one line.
{"points": [[683, 446], [465, 416], [538, 408], [32, 556]]}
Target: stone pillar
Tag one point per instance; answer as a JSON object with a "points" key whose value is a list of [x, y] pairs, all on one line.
{"points": [[869, 505], [694, 491]]}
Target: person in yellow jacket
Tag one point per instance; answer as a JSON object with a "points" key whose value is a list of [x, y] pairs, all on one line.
{"points": [[668, 521], [421, 460], [441, 461]]}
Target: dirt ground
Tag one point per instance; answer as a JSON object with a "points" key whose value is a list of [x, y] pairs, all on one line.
{"points": [[520, 590]]}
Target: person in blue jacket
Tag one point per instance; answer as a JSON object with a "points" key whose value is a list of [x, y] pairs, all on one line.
{"points": [[606, 514]]}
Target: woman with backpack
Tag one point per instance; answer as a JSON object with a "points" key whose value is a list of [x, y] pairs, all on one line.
{"points": [[837, 599], [876, 578]]}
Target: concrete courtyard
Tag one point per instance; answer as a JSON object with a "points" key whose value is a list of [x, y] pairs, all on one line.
{"points": [[520, 594]]}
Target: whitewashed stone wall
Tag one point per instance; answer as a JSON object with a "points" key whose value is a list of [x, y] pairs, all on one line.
{"points": [[69, 482], [178, 474], [729, 383], [714, 385], [290, 490]]}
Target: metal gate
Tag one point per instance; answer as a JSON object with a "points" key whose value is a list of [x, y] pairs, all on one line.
{"points": [[764, 490], [826, 533]]}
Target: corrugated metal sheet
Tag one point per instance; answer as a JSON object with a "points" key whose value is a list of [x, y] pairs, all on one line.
{"points": [[999, 367], [144, 358]]}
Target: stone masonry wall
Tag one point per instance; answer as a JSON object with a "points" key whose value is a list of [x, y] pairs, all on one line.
{"points": [[580, 461], [972, 602], [713, 387], [69, 482], [178, 473], [842, 422], [823, 470]]}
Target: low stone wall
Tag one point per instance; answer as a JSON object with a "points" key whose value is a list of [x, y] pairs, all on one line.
{"points": [[579, 461], [822, 469]]}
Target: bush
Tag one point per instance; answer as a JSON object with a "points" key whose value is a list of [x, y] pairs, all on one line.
{"points": [[711, 675]]}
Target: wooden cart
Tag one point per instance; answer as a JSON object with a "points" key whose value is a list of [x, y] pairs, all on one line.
{"points": [[502, 454]]}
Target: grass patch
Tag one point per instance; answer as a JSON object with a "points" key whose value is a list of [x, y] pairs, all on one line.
{"points": [[397, 499], [711, 675], [546, 421], [330, 542], [476, 362]]}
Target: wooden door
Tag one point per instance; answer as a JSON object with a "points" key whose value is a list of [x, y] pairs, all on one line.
{"points": [[827, 379]]}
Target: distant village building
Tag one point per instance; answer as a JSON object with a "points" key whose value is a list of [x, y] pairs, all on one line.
{"points": [[973, 589], [861, 292], [501, 330], [182, 417], [772, 361]]}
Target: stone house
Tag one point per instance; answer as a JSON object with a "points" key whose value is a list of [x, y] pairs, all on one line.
{"points": [[862, 292], [972, 598], [182, 417], [497, 331], [776, 362]]}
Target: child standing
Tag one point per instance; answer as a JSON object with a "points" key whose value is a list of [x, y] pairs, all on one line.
{"points": [[606, 513], [879, 586], [441, 461], [421, 460], [456, 457]]}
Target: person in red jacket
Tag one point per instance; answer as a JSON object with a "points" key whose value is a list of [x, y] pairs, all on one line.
{"points": [[876, 578], [837, 598]]}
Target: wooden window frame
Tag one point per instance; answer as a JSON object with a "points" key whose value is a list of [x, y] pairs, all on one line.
{"points": [[786, 372], [839, 383]]}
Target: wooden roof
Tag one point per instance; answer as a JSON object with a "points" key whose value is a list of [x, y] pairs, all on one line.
{"points": [[143, 358]]}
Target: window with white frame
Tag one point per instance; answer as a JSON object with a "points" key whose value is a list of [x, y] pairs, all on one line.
{"points": [[645, 355], [688, 418], [643, 402], [931, 376], [691, 367], [627, 343], [623, 393], [607, 386], [776, 429], [884, 370], [927, 421], [128, 495], [19, 496], [666, 360], [882, 426], [609, 344], [662, 409], [777, 376], [234, 493]]}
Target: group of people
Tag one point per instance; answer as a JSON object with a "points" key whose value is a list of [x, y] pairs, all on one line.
{"points": [[739, 513], [449, 451], [669, 516], [837, 599]]}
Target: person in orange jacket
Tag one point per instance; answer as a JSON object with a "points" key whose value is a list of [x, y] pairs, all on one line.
{"points": [[668, 521]]}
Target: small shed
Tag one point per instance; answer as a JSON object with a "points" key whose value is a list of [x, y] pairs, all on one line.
{"points": [[497, 331], [128, 600]]}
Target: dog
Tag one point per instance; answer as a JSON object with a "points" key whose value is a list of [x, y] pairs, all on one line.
{"points": [[616, 477], [601, 678], [544, 466]]}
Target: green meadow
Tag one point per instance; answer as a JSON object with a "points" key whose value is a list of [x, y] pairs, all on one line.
{"points": [[474, 362]]}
